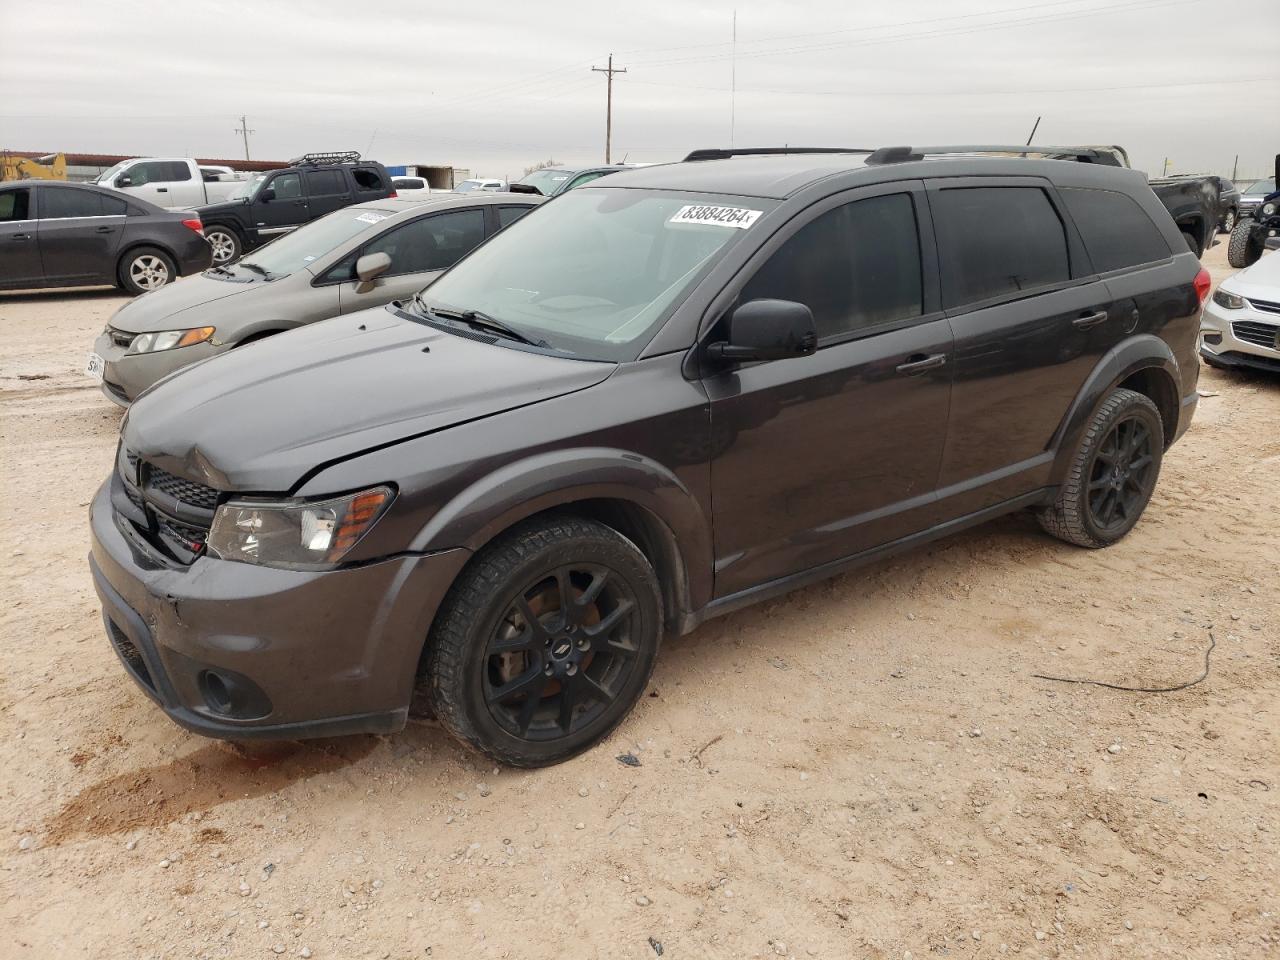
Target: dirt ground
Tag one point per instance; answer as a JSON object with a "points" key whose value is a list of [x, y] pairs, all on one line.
{"points": [[863, 769]]}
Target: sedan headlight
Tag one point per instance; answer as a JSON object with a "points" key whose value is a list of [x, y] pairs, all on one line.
{"points": [[1228, 300], [295, 533], [1268, 209], [168, 339]]}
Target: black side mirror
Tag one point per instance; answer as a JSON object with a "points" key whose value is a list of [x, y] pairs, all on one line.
{"points": [[767, 330], [267, 195], [124, 180]]}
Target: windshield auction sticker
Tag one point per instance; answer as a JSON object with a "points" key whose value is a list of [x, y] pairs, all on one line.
{"points": [[716, 216], [370, 218]]}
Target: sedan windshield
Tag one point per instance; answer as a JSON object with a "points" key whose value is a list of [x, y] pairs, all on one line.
{"points": [[297, 250], [596, 272], [547, 181], [1261, 188]]}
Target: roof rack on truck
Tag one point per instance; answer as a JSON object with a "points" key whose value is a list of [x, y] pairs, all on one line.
{"points": [[323, 159]]}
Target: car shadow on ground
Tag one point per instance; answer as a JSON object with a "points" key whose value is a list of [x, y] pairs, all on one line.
{"points": [[60, 293]]}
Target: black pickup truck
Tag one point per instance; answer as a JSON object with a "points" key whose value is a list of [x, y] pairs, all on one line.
{"points": [[278, 201]]}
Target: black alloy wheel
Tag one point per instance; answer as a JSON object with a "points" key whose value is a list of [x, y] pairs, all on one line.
{"points": [[545, 641], [563, 651], [1122, 476]]}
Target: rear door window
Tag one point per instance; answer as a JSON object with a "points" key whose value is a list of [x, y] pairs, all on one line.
{"points": [[1116, 231], [63, 204], [175, 171], [855, 266], [996, 241], [325, 183], [14, 205], [432, 243]]}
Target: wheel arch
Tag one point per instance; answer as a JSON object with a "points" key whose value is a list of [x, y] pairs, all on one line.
{"points": [[135, 245], [634, 495], [1144, 364]]}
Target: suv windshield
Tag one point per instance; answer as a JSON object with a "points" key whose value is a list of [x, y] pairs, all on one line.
{"points": [[1261, 188], [297, 250], [595, 273], [546, 181], [247, 188]]}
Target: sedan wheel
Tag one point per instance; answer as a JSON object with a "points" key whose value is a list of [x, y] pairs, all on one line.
{"points": [[149, 272]]}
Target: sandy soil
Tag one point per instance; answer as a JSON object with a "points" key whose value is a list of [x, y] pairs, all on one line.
{"points": [[865, 768]]}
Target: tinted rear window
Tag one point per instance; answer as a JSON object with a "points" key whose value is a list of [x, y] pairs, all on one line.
{"points": [[994, 241], [1117, 232]]}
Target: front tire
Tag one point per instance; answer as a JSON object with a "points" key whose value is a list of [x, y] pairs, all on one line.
{"points": [[1242, 249], [145, 269], [226, 243], [546, 641], [1192, 243], [1112, 474]]}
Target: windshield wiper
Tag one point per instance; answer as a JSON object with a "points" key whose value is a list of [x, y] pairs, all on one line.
{"points": [[266, 274], [222, 270], [482, 321]]}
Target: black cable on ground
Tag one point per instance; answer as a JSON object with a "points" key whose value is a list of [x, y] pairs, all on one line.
{"points": [[1213, 642]]}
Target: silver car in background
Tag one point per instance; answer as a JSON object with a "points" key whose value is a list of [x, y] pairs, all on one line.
{"points": [[360, 256]]}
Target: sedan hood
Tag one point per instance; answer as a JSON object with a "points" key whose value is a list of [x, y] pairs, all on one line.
{"points": [[263, 416], [161, 309]]}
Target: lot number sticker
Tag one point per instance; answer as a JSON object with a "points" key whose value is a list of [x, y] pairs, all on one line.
{"points": [[716, 216], [370, 218]]}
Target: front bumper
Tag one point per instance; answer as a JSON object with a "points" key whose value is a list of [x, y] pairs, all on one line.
{"points": [[233, 650], [1248, 337], [127, 375]]}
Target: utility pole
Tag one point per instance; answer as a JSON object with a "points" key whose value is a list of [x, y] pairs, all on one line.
{"points": [[244, 131], [609, 71]]}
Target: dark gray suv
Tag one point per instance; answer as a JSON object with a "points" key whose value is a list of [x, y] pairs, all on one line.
{"points": [[651, 401]]}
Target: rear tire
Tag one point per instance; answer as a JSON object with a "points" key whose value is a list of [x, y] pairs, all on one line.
{"points": [[1242, 249], [545, 642], [1228, 221], [144, 269], [1112, 474], [226, 243]]}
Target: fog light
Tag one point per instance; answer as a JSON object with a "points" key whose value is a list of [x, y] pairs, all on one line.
{"points": [[1212, 338]]}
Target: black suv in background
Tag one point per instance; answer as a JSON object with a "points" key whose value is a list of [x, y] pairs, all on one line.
{"points": [[278, 201], [664, 396]]}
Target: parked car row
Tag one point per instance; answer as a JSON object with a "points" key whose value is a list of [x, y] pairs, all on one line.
{"points": [[658, 398]]}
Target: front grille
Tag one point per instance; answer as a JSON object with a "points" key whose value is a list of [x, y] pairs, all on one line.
{"points": [[172, 513], [1266, 306], [120, 338], [1259, 334], [185, 491], [130, 654]]}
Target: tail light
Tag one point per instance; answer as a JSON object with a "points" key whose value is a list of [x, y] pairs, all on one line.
{"points": [[1203, 283], [198, 227]]}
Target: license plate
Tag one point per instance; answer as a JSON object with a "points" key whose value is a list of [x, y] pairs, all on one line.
{"points": [[95, 367]]}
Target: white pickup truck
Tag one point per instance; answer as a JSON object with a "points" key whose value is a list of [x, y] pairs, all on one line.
{"points": [[172, 182]]}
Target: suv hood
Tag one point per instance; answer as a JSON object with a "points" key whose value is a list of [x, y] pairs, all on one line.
{"points": [[160, 309], [263, 416], [206, 210]]}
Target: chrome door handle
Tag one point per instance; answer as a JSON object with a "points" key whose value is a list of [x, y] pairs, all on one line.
{"points": [[1089, 319], [918, 363]]}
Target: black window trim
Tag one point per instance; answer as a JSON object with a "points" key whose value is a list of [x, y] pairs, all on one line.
{"points": [[930, 280], [1079, 266]]}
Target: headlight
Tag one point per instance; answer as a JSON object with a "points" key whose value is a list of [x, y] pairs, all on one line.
{"points": [[295, 533], [168, 339], [1268, 209], [1228, 300]]}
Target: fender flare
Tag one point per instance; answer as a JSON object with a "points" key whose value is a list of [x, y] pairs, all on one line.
{"points": [[559, 478], [1138, 353]]}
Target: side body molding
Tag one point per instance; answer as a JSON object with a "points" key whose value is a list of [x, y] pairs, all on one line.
{"points": [[1137, 353], [560, 477]]}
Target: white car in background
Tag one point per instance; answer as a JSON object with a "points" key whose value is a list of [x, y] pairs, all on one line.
{"points": [[480, 183], [174, 183], [1240, 325], [413, 188]]}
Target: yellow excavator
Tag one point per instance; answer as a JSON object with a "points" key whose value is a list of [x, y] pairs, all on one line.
{"points": [[52, 167]]}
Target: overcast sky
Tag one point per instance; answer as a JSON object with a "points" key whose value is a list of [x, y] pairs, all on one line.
{"points": [[497, 86]]}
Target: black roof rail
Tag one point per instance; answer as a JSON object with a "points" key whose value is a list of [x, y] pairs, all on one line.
{"points": [[718, 153], [1103, 156], [321, 159]]}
